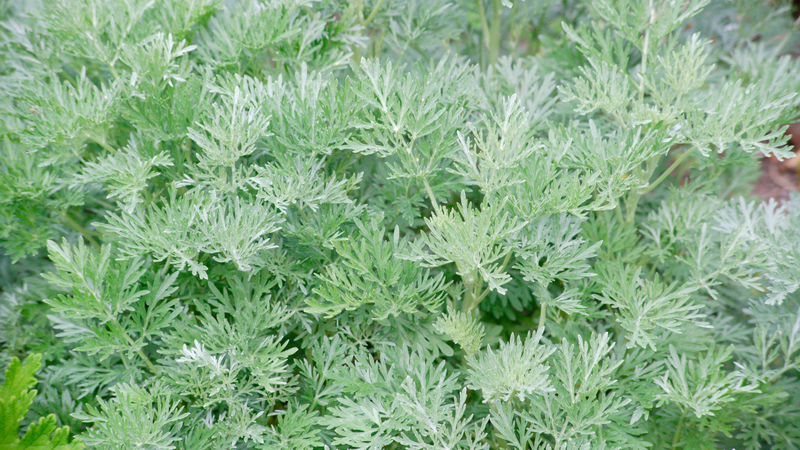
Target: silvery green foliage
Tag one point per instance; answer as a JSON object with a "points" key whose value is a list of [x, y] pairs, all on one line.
{"points": [[517, 369], [700, 387], [368, 273], [406, 224], [580, 398], [134, 418], [402, 398], [550, 249], [769, 225], [470, 238], [125, 174], [644, 306], [462, 328]]}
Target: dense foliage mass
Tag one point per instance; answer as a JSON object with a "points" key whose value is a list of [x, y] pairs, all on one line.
{"points": [[397, 224]]}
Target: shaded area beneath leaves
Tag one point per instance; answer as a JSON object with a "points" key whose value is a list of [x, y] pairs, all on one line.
{"points": [[780, 178]]}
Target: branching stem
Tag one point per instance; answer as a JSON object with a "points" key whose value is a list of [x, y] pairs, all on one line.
{"points": [[667, 172], [633, 199], [139, 351], [502, 268], [471, 297], [619, 118]]}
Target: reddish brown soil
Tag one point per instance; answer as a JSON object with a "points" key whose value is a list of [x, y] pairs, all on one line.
{"points": [[780, 178]]}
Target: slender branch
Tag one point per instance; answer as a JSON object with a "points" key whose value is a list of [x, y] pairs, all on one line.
{"points": [[147, 361], [618, 210], [502, 268], [102, 143], [645, 49], [494, 37], [667, 172], [377, 45], [542, 316], [139, 351], [483, 294], [400, 56], [420, 51], [677, 436], [69, 78], [632, 200], [471, 297], [619, 347], [652, 271], [113, 71], [619, 118], [431, 196], [74, 225], [373, 13], [484, 24], [505, 262], [779, 47], [631, 203]]}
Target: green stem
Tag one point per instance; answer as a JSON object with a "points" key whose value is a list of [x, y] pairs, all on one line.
{"points": [[785, 39], [69, 78], [400, 58], [542, 316], [163, 271], [667, 172], [113, 71], [505, 262], [74, 225], [484, 23], [619, 118], [632, 201], [494, 37], [618, 210], [377, 45], [373, 13], [147, 361], [652, 270], [430, 196], [420, 51], [141, 354], [630, 206], [102, 143], [619, 347], [471, 297], [483, 294], [677, 436], [502, 268], [645, 48]]}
